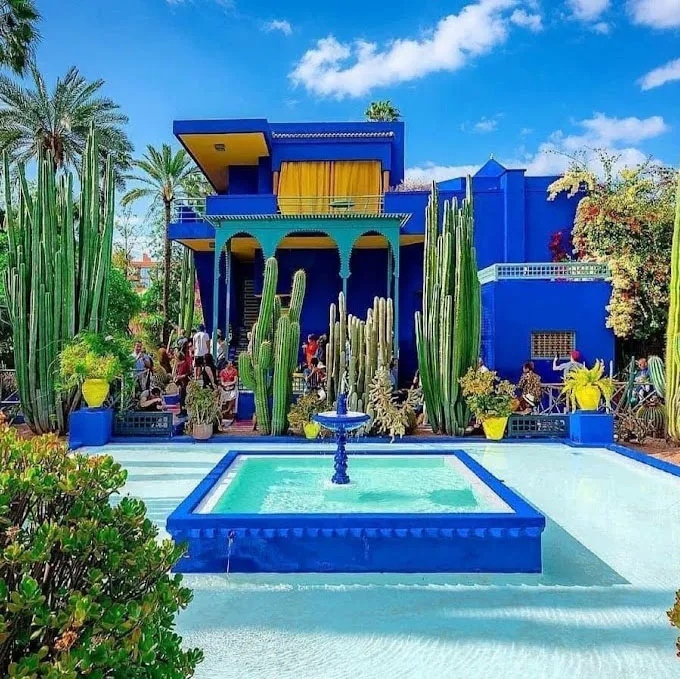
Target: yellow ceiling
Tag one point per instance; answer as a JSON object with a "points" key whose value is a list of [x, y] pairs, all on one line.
{"points": [[240, 148], [245, 248]]}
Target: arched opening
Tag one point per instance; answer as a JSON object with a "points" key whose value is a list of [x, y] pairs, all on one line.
{"points": [[371, 265]]}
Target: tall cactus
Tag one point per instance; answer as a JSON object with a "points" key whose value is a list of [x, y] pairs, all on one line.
{"points": [[57, 275], [370, 345], [448, 328], [673, 332], [187, 294], [268, 369]]}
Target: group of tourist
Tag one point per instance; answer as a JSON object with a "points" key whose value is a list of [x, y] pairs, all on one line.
{"points": [[190, 358]]}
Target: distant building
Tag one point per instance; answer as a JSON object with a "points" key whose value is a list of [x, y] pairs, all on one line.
{"points": [[140, 272]]}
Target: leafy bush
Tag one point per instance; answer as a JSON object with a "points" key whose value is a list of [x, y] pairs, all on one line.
{"points": [[203, 405], [577, 378], [486, 395], [389, 417], [85, 588], [302, 410], [89, 356], [124, 302]]}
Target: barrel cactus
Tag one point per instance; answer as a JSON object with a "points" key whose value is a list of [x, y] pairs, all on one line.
{"points": [[448, 327], [268, 368]]}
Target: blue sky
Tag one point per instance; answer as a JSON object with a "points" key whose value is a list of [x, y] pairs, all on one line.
{"points": [[513, 78]]}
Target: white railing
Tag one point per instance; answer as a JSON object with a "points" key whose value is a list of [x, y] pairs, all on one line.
{"points": [[188, 210], [567, 271], [331, 205]]}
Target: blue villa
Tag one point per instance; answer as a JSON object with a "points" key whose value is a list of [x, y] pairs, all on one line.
{"points": [[327, 197]]}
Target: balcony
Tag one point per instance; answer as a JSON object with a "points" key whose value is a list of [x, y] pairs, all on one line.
{"points": [[191, 210], [550, 271]]}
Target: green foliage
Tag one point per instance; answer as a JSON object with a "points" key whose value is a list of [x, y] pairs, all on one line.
{"points": [[58, 273], [580, 377], [626, 220], [268, 369], [302, 410], [187, 299], [149, 330], [371, 345], [18, 33], [38, 121], [85, 584], [448, 328], [487, 395], [382, 111], [390, 418], [657, 375], [673, 332], [124, 303], [92, 356], [203, 404]]}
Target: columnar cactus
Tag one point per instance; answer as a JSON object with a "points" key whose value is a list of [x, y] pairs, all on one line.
{"points": [[268, 369], [57, 275], [370, 345], [673, 333], [448, 328], [187, 296]]}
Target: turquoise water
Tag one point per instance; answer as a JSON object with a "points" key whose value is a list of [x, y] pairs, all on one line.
{"points": [[269, 484], [611, 553]]}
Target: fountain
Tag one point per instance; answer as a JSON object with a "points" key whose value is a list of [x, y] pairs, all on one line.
{"points": [[340, 422]]}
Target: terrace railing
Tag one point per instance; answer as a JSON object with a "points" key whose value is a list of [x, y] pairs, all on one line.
{"points": [[188, 210], [552, 271], [330, 205]]}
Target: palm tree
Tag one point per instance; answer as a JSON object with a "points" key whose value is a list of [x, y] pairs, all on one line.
{"points": [[32, 118], [382, 111], [17, 33], [163, 176]]}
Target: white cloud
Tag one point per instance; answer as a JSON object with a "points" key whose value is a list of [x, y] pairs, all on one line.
{"points": [[429, 172], [533, 22], [601, 27], [334, 68], [660, 76], [655, 13], [278, 25], [486, 125], [588, 10], [526, 131]]}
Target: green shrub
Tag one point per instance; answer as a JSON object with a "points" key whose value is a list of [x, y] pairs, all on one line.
{"points": [[85, 589], [302, 411]]}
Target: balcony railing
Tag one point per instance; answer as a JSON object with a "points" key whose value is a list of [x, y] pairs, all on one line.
{"points": [[567, 271], [188, 210]]}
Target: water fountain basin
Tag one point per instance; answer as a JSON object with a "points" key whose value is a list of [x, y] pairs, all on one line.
{"points": [[334, 421]]}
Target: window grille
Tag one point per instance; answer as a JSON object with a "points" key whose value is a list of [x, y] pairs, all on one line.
{"points": [[548, 344]]}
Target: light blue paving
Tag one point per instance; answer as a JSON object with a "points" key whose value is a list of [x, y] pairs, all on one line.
{"points": [[611, 566]]}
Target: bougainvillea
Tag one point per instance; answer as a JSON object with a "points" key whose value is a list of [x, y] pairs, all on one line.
{"points": [[625, 219]]}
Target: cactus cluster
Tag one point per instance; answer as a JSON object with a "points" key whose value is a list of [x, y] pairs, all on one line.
{"points": [[448, 328], [657, 375], [57, 275], [357, 348], [673, 333], [267, 369], [187, 292]]}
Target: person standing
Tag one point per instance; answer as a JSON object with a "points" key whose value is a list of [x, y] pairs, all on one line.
{"points": [[530, 389], [182, 377], [310, 347], [221, 351], [201, 342], [138, 358], [566, 367]]}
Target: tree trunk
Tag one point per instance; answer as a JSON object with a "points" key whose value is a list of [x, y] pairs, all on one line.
{"points": [[167, 256]]}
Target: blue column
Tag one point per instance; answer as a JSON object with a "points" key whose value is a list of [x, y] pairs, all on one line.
{"points": [[227, 285], [512, 184], [216, 295]]}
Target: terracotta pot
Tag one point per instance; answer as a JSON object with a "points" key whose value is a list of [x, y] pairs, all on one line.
{"points": [[588, 397], [494, 427], [95, 392], [202, 432]]}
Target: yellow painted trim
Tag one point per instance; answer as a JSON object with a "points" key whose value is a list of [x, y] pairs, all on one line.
{"points": [[385, 180], [275, 182], [240, 148]]}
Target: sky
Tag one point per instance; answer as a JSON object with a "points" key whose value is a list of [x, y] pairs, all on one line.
{"points": [[523, 80]]}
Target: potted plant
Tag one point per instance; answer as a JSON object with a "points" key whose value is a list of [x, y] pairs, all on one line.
{"points": [[203, 406], [86, 363], [490, 399], [585, 387], [300, 416]]}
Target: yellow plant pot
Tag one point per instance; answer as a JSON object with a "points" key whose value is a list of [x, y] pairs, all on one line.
{"points": [[95, 392], [494, 427], [588, 397], [312, 429]]}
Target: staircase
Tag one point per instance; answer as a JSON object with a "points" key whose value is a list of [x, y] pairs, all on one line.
{"points": [[251, 308]]}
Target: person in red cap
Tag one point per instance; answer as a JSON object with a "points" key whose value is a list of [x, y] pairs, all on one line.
{"points": [[566, 367]]}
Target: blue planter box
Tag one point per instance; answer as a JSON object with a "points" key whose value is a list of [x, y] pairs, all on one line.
{"points": [[591, 428], [90, 427]]}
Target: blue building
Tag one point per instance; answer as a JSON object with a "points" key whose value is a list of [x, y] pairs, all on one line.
{"points": [[326, 197]]}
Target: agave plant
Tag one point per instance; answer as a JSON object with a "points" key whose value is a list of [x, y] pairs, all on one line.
{"points": [[584, 377]]}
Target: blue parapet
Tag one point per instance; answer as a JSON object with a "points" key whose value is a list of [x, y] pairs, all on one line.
{"points": [[587, 428], [90, 427]]}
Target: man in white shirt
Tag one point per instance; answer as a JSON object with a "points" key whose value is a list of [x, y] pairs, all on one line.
{"points": [[201, 341]]}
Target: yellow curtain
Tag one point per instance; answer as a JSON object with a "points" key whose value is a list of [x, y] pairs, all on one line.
{"points": [[319, 187]]}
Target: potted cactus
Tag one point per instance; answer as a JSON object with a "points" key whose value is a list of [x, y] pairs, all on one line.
{"points": [[490, 399], [85, 363], [585, 387], [203, 406]]}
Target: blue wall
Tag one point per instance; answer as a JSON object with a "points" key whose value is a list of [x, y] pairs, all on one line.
{"points": [[512, 309]]}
